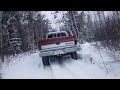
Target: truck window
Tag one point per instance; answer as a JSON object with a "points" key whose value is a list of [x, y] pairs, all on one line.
{"points": [[58, 34], [55, 35], [50, 36], [63, 34]]}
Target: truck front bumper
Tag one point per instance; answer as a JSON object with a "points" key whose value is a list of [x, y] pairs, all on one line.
{"points": [[65, 50]]}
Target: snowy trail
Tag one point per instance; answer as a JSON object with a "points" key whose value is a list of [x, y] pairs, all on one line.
{"points": [[71, 72], [31, 67], [62, 72]]}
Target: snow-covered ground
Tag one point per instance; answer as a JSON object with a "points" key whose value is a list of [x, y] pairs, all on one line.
{"points": [[89, 66]]}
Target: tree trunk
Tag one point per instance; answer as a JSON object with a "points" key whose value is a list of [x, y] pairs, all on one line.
{"points": [[1, 27]]}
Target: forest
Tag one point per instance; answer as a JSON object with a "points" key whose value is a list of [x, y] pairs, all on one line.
{"points": [[20, 31]]}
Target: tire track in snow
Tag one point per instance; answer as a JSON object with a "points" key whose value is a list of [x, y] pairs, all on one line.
{"points": [[65, 66], [51, 72], [75, 76], [62, 68], [60, 72], [48, 71]]}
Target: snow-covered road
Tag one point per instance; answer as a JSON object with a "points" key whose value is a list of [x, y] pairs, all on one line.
{"points": [[90, 66]]}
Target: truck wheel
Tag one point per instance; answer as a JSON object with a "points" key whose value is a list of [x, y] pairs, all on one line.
{"points": [[45, 61], [74, 55]]}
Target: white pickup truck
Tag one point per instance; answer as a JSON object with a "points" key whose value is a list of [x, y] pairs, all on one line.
{"points": [[58, 44]]}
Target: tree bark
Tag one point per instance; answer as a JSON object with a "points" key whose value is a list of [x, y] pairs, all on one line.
{"points": [[1, 29]]}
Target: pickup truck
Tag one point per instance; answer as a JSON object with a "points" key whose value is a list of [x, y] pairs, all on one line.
{"points": [[58, 44]]}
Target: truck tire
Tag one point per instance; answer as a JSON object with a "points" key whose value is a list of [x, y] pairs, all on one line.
{"points": [[74, 55], [45, 61]]}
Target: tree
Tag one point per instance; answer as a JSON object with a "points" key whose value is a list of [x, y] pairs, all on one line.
{"points": [[21, 31], [1, 37]]}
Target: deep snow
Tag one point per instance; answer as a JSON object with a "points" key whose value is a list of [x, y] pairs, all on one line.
{"points": [[89, 66]]}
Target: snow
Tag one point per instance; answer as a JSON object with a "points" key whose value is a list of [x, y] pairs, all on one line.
{"points": [[89, 50], [52, 20], [89, 66]]}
